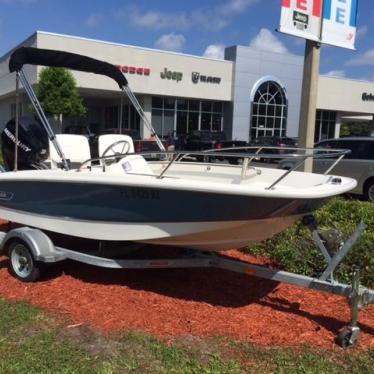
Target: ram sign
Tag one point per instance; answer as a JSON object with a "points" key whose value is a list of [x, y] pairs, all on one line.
{"points": [[326, 21]]}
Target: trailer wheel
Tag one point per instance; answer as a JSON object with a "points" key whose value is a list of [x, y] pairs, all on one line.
{"points": [[22, 264], [346, 338]]}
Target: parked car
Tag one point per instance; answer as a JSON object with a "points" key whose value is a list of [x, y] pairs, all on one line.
{"points": [[79, 130], [274, 141], [147, 145], [359, 164], [202, 140]]}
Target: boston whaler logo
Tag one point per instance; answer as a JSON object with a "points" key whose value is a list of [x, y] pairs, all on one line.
{"points": [[197, 77], [6, 195], [20, 145]]}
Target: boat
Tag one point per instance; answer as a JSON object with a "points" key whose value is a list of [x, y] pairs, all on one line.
{"points": [[173, 201]]}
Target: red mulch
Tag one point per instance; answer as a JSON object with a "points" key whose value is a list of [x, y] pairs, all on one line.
{"points": [[197, 302]]}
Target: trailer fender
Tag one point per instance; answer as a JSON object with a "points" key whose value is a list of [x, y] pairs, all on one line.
{"points": [[37, 241]]}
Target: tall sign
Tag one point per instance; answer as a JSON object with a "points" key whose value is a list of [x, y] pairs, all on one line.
{"points": [[339, 23], [302, 18], [335, 24]]}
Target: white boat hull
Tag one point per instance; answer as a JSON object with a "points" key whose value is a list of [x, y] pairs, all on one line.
{"points": [[196, 206], [209, 236]]}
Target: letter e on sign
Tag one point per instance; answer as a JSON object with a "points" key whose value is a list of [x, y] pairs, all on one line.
{"points": [[341, 12]]}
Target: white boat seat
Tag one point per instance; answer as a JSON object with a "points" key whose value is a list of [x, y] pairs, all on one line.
{"points": [[75, 148], [132, 164], [105, 141]]}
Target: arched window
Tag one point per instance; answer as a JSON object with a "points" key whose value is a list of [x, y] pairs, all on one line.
{"points": [[269, 110]]}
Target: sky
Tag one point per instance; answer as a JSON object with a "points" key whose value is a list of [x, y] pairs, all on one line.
{"points": [[194, 27]]}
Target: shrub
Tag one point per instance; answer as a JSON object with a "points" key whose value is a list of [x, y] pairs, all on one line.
{"points": [[294, 250]]}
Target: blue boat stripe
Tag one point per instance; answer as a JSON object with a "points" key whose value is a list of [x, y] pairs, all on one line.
{"points": [[353, 20], [327, 9], [112, 203]]}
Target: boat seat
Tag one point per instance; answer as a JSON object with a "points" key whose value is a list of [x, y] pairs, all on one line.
{"points": [[132, 164], [75, 148]]}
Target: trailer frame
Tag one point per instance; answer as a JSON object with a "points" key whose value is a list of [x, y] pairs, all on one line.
{"points": [[29, 248]]}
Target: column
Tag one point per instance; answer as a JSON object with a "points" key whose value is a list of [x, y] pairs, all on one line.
{"points": [[338, 124], [146, 103]]}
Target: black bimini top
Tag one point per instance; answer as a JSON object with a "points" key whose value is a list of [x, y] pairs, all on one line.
{"points": [[47, 57]]}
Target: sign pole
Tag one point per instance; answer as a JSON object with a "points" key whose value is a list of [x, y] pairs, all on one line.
{"points": [[319, 21], [307, 121]]}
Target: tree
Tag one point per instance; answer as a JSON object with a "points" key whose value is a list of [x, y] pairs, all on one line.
{"points": [[58, 94], [355, 129]]}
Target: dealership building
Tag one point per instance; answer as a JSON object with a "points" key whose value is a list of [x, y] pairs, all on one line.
{"points": [[250, 93]]}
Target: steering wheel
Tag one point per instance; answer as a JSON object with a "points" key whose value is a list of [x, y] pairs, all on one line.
{"points": [[117, 151]]}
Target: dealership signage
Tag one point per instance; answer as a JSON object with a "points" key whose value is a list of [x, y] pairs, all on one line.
{"points": [[134, 70], [171, 75], [339, 23], [367, 96], [197, 77], [329, 21], [302, 18]]}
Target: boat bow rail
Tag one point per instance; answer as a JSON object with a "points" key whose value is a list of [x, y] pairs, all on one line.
{"points": [[246, 154]]}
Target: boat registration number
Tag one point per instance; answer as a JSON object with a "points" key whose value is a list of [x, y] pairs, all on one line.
{"points": [[140, 193]]}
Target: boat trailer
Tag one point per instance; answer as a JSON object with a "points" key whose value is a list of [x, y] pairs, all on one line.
{"points": [[28, 248]]}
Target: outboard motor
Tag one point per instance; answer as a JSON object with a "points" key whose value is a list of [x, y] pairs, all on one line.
{"points": [[32, 144]]}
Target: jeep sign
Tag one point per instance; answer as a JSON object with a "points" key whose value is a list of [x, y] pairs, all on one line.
{"points": [[171, 75]]}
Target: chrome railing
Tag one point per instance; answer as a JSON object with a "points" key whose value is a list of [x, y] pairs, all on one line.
{"points": [[247, 154]]}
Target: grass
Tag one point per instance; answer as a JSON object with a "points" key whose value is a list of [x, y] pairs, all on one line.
{"points": [[33, 342]]}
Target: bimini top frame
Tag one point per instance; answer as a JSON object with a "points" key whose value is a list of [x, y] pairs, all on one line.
{"points": [[52, 58], [47, 57]]}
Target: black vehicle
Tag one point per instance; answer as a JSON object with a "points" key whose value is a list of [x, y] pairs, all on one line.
{"points": [[274, 141], [79, 130], [203, 140]]}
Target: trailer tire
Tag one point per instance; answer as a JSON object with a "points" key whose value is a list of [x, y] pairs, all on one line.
{"points": [[22, 263], [344, 339]]}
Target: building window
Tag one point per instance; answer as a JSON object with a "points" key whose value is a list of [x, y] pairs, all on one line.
{"points": [[111, 117], [325, 125], [130, 118], [269, 111], [163, 115], [134, 119], [182, 116]]}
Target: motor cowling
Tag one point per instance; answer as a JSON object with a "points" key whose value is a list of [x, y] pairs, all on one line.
{"points": [[32, 144]]}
